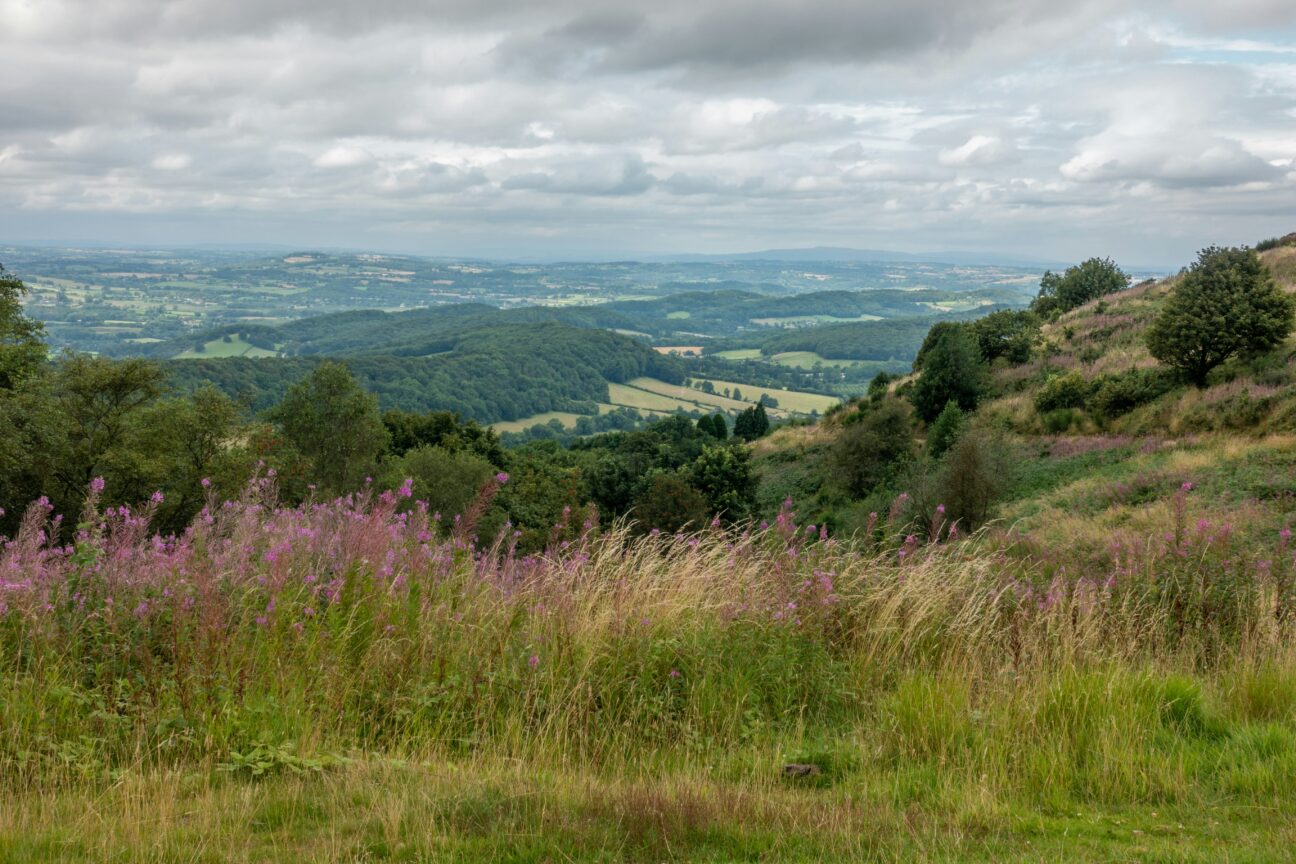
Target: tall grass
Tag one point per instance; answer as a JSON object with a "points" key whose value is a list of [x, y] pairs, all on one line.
{"points": [[270, 639]]}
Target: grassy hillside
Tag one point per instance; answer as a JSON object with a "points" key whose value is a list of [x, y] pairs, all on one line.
{"points": [[1107, 337], [1109, 467]]}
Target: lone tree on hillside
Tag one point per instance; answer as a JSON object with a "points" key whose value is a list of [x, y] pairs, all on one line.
{"points": [[1090, 280], [952, 371], [1226, 305]]}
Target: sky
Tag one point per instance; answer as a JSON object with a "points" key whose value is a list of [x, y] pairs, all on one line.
{"points": [[574, 129]]}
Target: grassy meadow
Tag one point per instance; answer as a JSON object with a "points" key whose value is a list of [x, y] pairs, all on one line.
{"points": [[351, 680]]}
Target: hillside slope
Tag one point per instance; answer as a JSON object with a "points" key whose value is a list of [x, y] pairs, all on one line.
{"points": [[1107, 337], [1135, 451]]}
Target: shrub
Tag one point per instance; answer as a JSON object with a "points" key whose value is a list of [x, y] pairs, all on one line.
{"points": [[446, 480], [1059, 420], [877, 387], [1070, 390], [974, 475], [1275, 243], [670, 503], [869, 451], [945, 430], [1122, 392]]}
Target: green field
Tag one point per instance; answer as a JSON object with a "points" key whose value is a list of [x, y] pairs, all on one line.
{"points": [[632, 396], [808, 360], [567, 418], [236, 347], [788, 400], [739, 354], [655, 395]]}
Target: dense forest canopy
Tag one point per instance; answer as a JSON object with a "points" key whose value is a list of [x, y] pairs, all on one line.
{"points": [[489, 374]]}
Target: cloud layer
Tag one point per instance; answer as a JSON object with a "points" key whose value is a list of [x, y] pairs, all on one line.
{"points": [[546, 128]]}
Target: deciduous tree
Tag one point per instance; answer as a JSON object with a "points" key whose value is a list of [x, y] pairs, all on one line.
{"points": [[1226, 305]]}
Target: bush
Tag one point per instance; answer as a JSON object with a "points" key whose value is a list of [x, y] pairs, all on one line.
{"points": [[446, 480], [1120, 393], [960, 488], [1059, 420], [1007, 334], [1070, 390], [869, 451], [1275, 242], [946, 430], [670, 503], [973, 478]]}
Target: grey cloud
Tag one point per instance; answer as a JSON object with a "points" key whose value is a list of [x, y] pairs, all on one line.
{"points": [[714, 123], [630, 177]]}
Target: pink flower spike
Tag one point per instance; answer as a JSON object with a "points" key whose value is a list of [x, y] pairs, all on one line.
{"points": [[501, 478], [97, 484], [156, 497], [533, 661]]}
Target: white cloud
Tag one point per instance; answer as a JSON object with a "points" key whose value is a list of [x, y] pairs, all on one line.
{"points": [[977, 150], [172, 161], [343, 157]]}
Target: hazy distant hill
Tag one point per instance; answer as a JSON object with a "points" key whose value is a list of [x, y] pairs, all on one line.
{"points": [[838, 254]]}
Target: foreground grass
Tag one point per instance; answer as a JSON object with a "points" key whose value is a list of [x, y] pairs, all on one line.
{"points": [[351, 681], [375, 809]]}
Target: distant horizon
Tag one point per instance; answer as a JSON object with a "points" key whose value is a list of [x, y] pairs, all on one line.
{"points": [[790, 254]]}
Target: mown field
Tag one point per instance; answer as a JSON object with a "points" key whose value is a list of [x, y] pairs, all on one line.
{"points": [[658, 395], [654, 398], [235, 347]]}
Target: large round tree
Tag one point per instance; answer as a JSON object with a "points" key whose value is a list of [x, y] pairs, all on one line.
{"points": [[1226, 305]]}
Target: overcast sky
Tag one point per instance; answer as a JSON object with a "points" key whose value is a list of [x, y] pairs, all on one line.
{"points": [[1056, 129]]}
